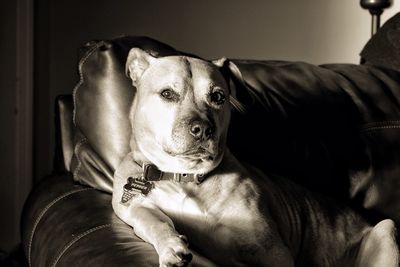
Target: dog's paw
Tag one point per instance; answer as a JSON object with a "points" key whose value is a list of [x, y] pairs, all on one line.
{"points": [[175, 252]]}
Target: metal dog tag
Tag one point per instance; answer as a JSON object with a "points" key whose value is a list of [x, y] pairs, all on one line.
{"points": [[135, 186], [142, 186]]}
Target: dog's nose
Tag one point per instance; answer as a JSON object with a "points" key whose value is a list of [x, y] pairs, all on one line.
{"points": [[201, 129]]}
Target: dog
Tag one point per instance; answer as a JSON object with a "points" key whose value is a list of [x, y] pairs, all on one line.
{"points": [[181, 180]]}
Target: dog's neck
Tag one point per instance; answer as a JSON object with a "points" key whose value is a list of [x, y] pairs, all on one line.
{"points": [[151, 172]]}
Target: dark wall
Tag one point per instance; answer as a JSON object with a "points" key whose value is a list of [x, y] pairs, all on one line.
{"points": [[8, 126], [15, 116]]}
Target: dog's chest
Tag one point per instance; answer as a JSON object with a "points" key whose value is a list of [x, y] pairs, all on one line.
{"points": [[218, 204], [223, 218], [177, 199]]}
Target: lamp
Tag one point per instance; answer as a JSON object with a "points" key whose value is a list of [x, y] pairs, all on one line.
{"points": [[375, 8]]}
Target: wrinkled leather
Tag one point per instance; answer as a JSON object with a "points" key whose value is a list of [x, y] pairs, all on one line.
{"points": [[64, 132], [65, 224], [315, 120], [383, 49], [88, 167]]}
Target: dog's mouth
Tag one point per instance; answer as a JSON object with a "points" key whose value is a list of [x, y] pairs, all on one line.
{"points": [[199, 153]]}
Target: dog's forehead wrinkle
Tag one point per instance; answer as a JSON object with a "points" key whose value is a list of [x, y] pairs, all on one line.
{"points": [[188, 67], [206, 74], [175, 72], [189, 73]]}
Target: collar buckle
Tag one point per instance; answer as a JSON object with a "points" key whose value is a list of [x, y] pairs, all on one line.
{"points": [[151, 173]]}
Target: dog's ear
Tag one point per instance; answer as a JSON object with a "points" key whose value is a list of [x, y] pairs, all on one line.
{"points": [[137, 62], [220, 62], [223, 66]]}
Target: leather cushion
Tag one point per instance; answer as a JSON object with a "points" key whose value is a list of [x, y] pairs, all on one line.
{"points": [[65, 224], [383, 49], [64, 133], [325, 127]]}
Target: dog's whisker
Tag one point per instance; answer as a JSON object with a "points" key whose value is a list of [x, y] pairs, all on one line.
{"points": [[237, 105]]}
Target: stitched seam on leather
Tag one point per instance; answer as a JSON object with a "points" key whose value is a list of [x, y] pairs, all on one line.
{"points": [[78, 167], [39, 218], [381, 128], [76, 239], [379, 123], [394, 124], [81, 80]]}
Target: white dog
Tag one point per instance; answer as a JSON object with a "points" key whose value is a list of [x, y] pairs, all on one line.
{"points": [[181, 179]]}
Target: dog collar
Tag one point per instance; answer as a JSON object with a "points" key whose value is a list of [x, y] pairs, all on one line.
{"points": [[144, 183], [152, 173]]}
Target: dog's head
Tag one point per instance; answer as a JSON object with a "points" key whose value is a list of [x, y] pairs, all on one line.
{"points": [[181, 111]]}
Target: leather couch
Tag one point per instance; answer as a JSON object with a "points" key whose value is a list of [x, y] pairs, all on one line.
{"points": [[332, 128]]}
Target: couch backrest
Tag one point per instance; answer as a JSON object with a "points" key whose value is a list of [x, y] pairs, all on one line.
{"points": [[64, 134]]}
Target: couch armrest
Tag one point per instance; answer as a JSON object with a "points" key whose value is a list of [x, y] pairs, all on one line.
{"points": [[65, 224]]}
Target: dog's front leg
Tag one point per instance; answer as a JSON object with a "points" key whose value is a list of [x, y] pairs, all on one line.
{"points": [[156, 228], [153, 226]]}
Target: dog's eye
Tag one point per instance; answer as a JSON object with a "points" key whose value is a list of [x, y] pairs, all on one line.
{"points": [[169, 95], [217, 97]]}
